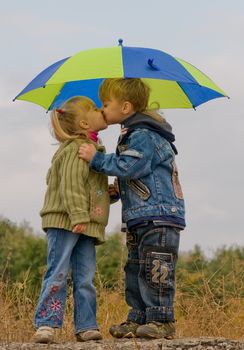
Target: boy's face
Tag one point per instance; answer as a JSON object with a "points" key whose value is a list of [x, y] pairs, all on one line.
{"points": [[116, 112]]}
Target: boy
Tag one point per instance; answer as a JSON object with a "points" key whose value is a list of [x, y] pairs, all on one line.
{"points": [[152, 206]]}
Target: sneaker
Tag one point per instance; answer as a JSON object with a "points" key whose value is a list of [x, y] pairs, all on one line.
{"points": [[124, 330], [44, 335], [91, 334], [156, 330]]}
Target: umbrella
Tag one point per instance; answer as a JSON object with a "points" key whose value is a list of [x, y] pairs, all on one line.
{"points": [[174, 82]]}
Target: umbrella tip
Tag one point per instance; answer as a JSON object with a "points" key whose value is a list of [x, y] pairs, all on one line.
{"points": [[120, 42]]}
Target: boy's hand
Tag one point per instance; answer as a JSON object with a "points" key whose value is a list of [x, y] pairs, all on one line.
{"points": [[113, 191], [87, 151], [79, 228], [114, 188]]}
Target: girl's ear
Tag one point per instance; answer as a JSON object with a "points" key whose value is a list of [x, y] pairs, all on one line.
{"points": [[127, 107], [84, 124]]}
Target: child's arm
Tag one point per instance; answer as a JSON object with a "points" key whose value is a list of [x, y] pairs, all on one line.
{"points": [[87, 151], [134, 162]]}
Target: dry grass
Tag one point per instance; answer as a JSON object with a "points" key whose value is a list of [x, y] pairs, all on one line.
{"points": [[196, 316], [204, 317], [16, 313]]}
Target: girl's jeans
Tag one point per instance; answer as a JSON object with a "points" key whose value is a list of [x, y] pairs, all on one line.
{"points": [[150, 273], [67, 249]]}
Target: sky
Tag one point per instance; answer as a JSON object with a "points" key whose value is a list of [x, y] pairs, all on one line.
{"points": [[210, 140]]}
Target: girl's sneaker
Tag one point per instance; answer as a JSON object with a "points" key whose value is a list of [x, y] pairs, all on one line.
{"points": [[44, 335], [91, 334]]}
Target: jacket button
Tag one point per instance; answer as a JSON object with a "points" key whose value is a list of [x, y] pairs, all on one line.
{"points": [[174, 209]]}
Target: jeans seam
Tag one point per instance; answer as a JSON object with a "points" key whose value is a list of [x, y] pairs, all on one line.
{"points": [[53, 252], [75, 281]]}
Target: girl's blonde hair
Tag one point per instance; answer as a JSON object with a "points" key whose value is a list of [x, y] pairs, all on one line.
{"points": [[133, 90], [66, 120]]}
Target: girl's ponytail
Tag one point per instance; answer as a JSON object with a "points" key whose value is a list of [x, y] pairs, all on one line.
{"points": [[66, 120], [59, 132]]}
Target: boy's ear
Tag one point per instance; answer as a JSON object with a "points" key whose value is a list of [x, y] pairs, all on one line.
{"points": [[127, 107], [83, 124]]}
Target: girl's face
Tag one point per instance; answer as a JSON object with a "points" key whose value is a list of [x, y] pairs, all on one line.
{"points": [[96, 120]]}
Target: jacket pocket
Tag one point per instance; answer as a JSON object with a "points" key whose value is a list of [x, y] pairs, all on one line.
{"points": [[139, 188], [99, 206], [176, 182]]}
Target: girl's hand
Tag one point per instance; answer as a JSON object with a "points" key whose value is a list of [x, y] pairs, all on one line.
{"points": [[79, 228], [87, 151]]}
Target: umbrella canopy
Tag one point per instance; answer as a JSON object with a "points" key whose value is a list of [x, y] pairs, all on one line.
{"points": [[174, 82]]}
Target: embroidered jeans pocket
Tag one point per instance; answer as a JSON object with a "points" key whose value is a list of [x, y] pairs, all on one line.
{"points": [[131, 240], [158, 269], [176, 182]]}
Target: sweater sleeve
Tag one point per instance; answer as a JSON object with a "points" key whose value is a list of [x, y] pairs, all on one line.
{"points": [[74, 174]]}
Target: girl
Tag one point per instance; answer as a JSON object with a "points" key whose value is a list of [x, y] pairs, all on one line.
{"points": [[74, 215]]}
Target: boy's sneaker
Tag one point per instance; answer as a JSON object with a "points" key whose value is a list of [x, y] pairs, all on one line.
{"points": [[44, 335], [91, 334], [124, 330], [156, 330]]}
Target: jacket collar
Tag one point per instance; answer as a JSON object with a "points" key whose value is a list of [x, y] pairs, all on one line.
{"points": [[143, 121]]}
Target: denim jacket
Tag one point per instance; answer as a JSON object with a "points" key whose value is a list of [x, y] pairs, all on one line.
{"points": [[145, 166]]}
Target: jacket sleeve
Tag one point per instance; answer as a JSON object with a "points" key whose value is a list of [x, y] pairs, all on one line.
{"points": [[74, 173], [132, 163]]}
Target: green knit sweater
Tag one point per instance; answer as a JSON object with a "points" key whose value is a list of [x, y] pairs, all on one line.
{"points": [[75, 194]]}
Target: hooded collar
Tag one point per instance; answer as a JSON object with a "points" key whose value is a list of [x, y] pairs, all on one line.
{"points": [[140, 120]]}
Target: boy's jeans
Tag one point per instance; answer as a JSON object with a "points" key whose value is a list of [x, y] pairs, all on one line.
{"points": [[67, 249], [150, 273]]}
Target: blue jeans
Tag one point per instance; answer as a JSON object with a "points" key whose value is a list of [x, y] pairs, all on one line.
{"points": [[67, 249], [150, 273]]}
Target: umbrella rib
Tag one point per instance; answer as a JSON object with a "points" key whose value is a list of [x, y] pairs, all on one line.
{"points": [[55, 97], [186, 95]]}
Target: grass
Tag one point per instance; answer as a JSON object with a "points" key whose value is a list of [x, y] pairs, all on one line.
{"points": [[197, 314]]}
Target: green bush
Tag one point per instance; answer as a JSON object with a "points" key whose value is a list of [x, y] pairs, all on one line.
{"points": [[22, 253], [23, 258]]}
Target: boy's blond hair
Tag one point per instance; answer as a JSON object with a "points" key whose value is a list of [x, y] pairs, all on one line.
{"points": [[65, 121], [133, 90]]}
